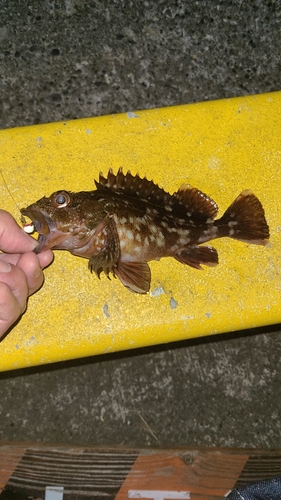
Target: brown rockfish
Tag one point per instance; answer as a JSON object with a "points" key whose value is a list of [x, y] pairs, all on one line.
{"points": [[128, 221]]}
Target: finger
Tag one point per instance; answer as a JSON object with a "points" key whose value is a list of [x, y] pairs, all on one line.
{"points": [[12, 258], [30, 265], [10, 309], [45, 258], [16, 280], [13, 239]]}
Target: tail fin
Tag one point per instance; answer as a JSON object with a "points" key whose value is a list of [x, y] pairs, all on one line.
{"points": [[244, 220]]}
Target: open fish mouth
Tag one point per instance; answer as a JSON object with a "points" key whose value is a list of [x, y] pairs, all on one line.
{"points": [[43, 225], [41, 221]]}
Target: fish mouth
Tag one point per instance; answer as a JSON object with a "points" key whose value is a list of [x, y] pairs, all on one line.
{"points": [[44, 226], [42, 222]]}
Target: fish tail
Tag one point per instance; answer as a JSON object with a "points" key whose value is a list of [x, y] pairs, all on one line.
{"points": [[244, 220]]}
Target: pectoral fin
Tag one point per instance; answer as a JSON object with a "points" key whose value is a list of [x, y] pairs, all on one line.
{"points": [[105, 249], [134, 275], [105, 257]]}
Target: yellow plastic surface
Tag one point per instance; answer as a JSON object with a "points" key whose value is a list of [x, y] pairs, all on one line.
{"points": [[221, 147]]}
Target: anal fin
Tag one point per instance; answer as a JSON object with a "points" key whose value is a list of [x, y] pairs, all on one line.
{"points": [[195, 256], [134, 275]]}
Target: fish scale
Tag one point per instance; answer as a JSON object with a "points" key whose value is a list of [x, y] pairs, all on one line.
{"points": [[128, 221]]}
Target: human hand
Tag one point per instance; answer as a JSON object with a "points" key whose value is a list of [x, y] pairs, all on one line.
{"points": [[20, 270]]}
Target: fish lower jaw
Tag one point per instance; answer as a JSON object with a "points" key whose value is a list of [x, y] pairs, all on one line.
{"points": [[52, 240], [41, 244]]}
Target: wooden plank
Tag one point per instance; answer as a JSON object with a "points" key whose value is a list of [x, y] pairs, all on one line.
{"points": [[199, 474], [206, 476], [9, 458]]}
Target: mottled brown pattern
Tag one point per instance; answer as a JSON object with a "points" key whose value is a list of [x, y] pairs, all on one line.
{"points": [[129, 221]]}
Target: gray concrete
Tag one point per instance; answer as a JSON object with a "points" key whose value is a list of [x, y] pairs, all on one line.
{"points": [[62, 60]]}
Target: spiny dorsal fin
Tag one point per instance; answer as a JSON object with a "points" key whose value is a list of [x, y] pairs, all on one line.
{"points": [[196, 202], [186, 202], [135, 186]]}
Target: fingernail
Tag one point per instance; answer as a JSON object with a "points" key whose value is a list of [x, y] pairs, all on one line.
{"points": [[31, 239], [38, 272], [5, 267]]}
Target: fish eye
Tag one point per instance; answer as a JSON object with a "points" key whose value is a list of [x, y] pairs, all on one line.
{"points": [[61, 199]]}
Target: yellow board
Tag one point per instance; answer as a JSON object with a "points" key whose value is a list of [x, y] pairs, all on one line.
{"points": [[221, 147]]}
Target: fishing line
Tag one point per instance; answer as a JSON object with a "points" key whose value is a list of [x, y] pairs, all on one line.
{"points": [[28, 228]]}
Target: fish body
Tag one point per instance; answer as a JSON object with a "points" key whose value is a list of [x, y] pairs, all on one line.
{"points": [[128, 221]]}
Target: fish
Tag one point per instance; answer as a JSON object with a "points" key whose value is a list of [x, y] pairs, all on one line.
{"points": [[129, 220]]}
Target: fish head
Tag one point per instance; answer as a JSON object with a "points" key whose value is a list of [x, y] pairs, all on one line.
{"points": [[62, 221]]}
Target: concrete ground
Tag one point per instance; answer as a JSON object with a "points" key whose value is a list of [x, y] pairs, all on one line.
{"points": [[70, 59]]}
